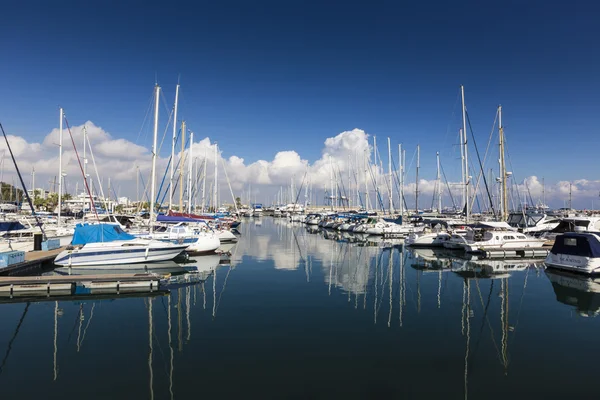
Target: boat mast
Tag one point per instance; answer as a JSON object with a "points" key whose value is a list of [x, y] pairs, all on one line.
{"points": [[216, 189], [173, 147], [417, 180], [190, 161], [181, 164], [60, 143], [466, 157], [503, 175], [154, 149], [331, 181], [375, 164], [391, 190], [204, 183], [366, 183], [85, 161], [439, 182], [401, 161]]}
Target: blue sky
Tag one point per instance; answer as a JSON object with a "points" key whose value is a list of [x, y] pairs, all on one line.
{"points": [[265, 76]]}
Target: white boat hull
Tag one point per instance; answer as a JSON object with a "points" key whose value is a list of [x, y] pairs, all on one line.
{"points": [[586, 265], [94, 256], [205, 244]]}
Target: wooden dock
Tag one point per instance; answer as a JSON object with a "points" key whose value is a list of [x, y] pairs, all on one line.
{"points": [[66, 285], [35, 261]]}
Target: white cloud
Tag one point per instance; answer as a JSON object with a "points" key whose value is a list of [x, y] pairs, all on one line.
{"points": [[119, 159]]}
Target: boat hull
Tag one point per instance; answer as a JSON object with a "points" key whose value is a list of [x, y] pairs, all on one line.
{"points": [[115, 256]]}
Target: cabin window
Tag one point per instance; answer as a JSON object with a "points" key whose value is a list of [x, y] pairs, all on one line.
{"points": [[509, 238], [521, 237], [497, 237], [570, 241]]}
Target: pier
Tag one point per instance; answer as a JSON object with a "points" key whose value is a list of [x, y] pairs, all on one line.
{"points": [[35, 261], [52, 285]]}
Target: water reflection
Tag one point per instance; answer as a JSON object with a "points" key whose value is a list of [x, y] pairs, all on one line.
{"points": [[287, 302], [581, 292]]}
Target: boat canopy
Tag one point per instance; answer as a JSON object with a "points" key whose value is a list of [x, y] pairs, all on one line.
{"points": [[11, 226], [493, 224], [577, 244], [98, 233], [175, 219]]}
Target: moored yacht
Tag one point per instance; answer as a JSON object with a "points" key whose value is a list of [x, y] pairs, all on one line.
{"points": [[498, 236], [108, 244], [576, 251]]}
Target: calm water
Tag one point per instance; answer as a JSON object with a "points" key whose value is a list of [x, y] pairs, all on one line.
{"points": [[300, 315]]}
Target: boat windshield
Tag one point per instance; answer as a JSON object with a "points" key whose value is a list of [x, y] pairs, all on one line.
{"points": [[522, 221], [569, 225]]}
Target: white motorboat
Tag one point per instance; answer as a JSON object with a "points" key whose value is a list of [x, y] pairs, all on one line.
{"points": [[108, 244], [576, 251], [498, 236], [205, 243], [532, 222], [430, 239]]}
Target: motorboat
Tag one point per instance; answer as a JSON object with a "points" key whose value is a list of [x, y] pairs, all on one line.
{"points": [[257, 211], [576, 251], [533, 223], [574, 224], [429, 239], [108, 244], [498, 236]]}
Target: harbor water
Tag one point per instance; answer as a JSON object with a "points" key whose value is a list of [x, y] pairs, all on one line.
{"points": [[300, 314]]}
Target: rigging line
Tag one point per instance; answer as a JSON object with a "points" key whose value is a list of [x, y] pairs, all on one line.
{"points": [[481, 172], [150, 101], [10, 342], [37, 220], [377, 194], [87, 186], [397, 183], [451, 118], [479, 159], [448, 185]]}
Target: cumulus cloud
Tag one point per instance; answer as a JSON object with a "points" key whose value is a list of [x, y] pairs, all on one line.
{"points": [[343, 156]]}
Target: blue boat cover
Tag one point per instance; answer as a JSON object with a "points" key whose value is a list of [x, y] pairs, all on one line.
{"points": [[10, 226], [172, 219], [577, 244], [99, 233]]}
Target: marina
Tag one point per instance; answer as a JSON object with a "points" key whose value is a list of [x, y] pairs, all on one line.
{"points": [[299, 200]]}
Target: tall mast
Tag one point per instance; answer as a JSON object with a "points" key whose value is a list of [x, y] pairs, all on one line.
{"points": [[60, 143], [203, 183], [216, 190], [137, 183], [366, 182], [33, 182], [543, 193], [173, 147], [375, 163], [391, 191], [331, 181], [181, 164], [466, 156], [191, 158], [401, 161], [439, 182], [85, 161], [503, 175], [417, 180], [154, 149]]}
